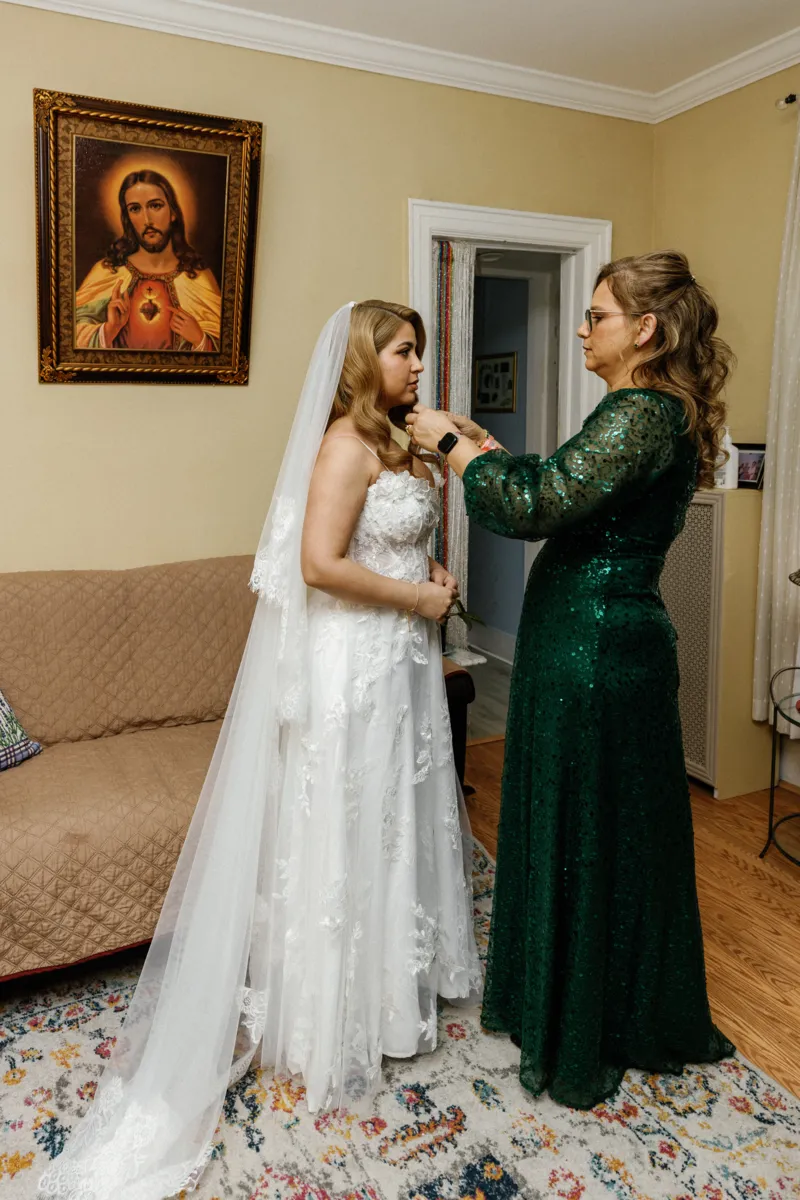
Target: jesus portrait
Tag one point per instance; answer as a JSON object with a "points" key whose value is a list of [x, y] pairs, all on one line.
{"points": [[152, 290], [145, 231]]}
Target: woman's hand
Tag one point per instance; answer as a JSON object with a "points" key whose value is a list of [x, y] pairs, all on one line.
{"points": [[435, 601], [427, 426], [471, 429], [443, 578]]}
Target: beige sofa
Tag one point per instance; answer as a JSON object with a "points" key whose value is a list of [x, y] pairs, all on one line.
{"points": [[124, 677]]}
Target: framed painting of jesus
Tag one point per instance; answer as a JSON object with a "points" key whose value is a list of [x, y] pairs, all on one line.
{"points": [[146, 227]]}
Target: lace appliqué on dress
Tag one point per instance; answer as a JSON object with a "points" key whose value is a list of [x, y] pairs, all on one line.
{"points": [[270, 573], [117, 1156]]}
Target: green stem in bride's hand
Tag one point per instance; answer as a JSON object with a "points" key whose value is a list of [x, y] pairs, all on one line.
{"points": [[468, 618]]}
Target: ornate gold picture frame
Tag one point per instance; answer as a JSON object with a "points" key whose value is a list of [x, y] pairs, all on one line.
{"points": [[146, 229]]}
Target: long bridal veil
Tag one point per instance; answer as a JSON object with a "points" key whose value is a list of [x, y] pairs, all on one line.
{"points": [[198, 1011]]}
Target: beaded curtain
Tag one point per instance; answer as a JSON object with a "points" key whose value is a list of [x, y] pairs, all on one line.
{"points": [[454, 286]]}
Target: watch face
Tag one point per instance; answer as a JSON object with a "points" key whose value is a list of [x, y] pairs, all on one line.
{"points": [[447, 443]]}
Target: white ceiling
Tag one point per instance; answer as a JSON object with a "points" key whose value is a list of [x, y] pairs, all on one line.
{"points": [[490, 262], [648, 45], [643, 60]]}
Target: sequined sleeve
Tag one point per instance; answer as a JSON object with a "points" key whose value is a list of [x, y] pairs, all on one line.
{"points": [[628, 440]]}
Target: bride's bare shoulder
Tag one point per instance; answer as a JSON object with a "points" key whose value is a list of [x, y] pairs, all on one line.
{"points": [[344, 451], [343, 432]]}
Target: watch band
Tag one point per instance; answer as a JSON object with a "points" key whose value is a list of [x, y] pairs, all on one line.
{"points": [[448, 443]]}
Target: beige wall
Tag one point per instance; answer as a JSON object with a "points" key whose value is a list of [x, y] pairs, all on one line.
{"points": [[112, 476], [743, 745], [721, 182]]}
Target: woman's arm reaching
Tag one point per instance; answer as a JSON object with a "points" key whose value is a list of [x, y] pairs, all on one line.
{"points": [[622, 445]]}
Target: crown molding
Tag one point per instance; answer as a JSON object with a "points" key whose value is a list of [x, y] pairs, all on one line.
{"points": [[766, 59], [213, 22], [298, 39]]}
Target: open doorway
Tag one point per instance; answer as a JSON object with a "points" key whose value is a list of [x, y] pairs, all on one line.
{"points": [[572, 248], [515, 332]]}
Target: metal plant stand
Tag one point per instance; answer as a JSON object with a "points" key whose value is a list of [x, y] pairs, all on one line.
{"points": [[784, 706]]}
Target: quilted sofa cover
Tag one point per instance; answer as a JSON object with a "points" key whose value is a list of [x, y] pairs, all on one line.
{"points": [[124, 676]]}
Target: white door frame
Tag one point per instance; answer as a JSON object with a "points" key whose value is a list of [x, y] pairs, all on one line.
{"points": [[584, 243]]}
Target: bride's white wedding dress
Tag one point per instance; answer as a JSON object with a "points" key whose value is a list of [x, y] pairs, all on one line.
{"points": [[321, 900], [373, 915]]}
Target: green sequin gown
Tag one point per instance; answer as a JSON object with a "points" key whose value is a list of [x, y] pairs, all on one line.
{"points": [[596, 954]]}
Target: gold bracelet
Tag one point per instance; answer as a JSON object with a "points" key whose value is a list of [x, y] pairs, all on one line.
{"points": [[411, 611]]}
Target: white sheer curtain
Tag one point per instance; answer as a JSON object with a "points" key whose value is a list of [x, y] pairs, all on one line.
{"points": [[778, 611], [454, 284]]}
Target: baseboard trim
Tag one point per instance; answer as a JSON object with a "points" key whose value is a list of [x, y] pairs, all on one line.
{"points": [[494, 642]]}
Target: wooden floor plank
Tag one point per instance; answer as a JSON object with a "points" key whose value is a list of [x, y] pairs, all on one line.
{"points": [[750, 908]]}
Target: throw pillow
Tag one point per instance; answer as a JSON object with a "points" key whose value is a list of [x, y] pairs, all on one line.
{"points": [[15, 745]]}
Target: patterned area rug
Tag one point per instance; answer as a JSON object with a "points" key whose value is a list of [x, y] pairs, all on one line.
{"points": [[454, 1125]]}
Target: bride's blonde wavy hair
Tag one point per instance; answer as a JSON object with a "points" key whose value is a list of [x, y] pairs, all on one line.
{"points": [[685, 358], [373, 324]]}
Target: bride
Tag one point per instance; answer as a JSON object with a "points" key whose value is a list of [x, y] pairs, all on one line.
{"points": [[320, 902]]}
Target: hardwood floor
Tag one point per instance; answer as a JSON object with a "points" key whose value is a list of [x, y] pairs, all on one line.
{"points": [[750, 909], [488, 712], [484, 771]]}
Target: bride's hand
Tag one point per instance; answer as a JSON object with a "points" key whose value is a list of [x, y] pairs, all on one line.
{"points": [[471, 429], [440, 575], [435, 601]]}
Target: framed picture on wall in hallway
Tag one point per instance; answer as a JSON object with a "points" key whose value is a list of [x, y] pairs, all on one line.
{"points": [[146, 229], [494, 383]]}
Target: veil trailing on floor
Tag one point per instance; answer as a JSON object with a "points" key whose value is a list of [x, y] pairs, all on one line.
{"points": [[198, 1012]]}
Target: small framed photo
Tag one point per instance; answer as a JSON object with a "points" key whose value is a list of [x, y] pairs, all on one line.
{"points": [[494, 383], [146, 227], [751, 464]]}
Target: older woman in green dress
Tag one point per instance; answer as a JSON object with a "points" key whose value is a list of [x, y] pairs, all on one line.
{"points": [[596, 955]]}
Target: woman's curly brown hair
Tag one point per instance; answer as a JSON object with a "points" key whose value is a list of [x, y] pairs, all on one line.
{"points": [[685, 358]]}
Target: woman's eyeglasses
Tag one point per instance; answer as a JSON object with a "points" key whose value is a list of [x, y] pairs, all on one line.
{"points": [[594, 316]]}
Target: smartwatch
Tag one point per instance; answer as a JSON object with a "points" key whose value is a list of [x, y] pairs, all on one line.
{"points": [[448, 443]]}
